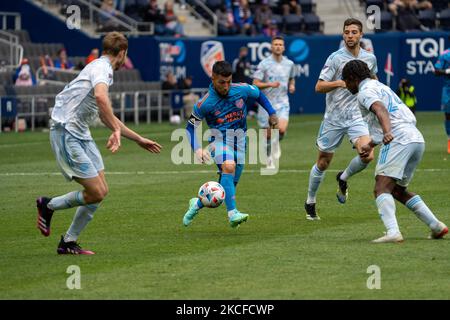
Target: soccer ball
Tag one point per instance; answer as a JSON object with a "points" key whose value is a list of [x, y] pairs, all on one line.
{"points": [[211, 194], [175, 119]]}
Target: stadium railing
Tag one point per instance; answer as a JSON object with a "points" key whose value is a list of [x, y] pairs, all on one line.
{"points": [[202, 12], [15, 53], [129, 106]]}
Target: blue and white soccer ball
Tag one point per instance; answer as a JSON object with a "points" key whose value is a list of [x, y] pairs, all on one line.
{"points": [[211, 194]]}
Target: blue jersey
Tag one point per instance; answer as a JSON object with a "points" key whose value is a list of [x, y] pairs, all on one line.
{"points": [[230, 112], [444, 63]]}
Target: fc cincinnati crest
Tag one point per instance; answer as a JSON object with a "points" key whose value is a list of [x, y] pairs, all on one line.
{"points": [[210, 52], [239, 103]]}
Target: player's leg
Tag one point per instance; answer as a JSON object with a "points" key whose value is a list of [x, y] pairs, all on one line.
{"points": [[413, 201], [384, 186], [329, 138], [283, 122], [75, 159], [447, 128], [227, 181], [263, 123], [389, 170], [359, 136]]}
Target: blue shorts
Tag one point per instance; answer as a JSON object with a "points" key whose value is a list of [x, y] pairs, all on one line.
{"points": [[75, 157], [224, 151], [330, 136], [263, 116], [399, 161]]}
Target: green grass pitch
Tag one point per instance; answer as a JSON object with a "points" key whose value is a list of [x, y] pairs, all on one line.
{"points": [[144, 252]]}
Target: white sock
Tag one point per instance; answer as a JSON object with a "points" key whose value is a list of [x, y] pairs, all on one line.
{"points": [[386, 209], [69, 200], [355, 166], [315, 178], [416, 205], [82, 217]]}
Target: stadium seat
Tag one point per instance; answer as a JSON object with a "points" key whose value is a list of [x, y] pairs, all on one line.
{"points": [[293, 23], [278, 21], [444, 19], [379, 3], [428, 18], [307, 6], [386, 21], [312, 23], [439, 5]]}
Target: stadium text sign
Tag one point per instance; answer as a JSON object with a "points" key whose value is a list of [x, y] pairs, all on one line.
{"points": [[423, 52]]}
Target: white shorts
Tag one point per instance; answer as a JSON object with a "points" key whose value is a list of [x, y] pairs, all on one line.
{"points": [[263, 116], [330, 136], [399, 161], [75, 157]]}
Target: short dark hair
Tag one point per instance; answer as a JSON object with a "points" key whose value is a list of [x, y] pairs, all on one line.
{"points": [[356, 70], [222, 68], [277, 38], [354, 21], [114, 42]]}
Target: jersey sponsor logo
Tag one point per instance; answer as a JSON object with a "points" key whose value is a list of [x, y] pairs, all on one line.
{"points": [[239, 103]]}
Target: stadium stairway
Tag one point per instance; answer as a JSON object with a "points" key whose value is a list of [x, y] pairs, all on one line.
{"points": [[334, 14], [192, 26]]}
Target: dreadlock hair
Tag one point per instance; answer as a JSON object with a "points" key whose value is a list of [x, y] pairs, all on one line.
{"points": [[356, 70], [222, 68]]}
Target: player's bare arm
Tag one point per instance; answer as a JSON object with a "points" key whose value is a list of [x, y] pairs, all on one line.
{"points": [[107, 116], [323, 86], [291, 85], [383, 117], [264, 85], [144, 143]]}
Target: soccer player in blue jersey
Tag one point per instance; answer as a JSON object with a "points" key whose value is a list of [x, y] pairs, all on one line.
{"points": [[225, 109], [392, 123], [442, 68]]}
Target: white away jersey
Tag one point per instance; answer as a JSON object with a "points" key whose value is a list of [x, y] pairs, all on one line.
{"points": [[403, 121], [341, 105], [269, 70], [75, 106]]}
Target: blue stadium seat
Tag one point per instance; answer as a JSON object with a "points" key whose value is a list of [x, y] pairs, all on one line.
{"points": [[312, 23], [444, 19], [293, 23], [428, 18]]}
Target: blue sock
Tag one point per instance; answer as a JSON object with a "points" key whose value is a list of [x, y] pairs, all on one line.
{"points": [[199, 204], [227, 183], [238, 173]]}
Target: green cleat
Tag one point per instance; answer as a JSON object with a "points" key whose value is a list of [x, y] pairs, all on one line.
{"points": [[191, 213], [237, 218]]}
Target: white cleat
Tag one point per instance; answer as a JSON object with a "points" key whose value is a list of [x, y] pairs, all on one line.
{"points": [[270, 163], [395, 238], [439, 232]]}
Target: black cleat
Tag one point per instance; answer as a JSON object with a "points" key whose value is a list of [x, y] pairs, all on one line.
{"points": [[71, 248], [342, 192], [311, 211], [44, 216]]}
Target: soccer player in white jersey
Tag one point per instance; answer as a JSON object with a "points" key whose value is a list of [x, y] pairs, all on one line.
{"points": [[392, 123], [342, 116], [275, 77], [76, 107]]}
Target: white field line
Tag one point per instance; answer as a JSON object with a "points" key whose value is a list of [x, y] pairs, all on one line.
{"points": [[129, 173]]}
